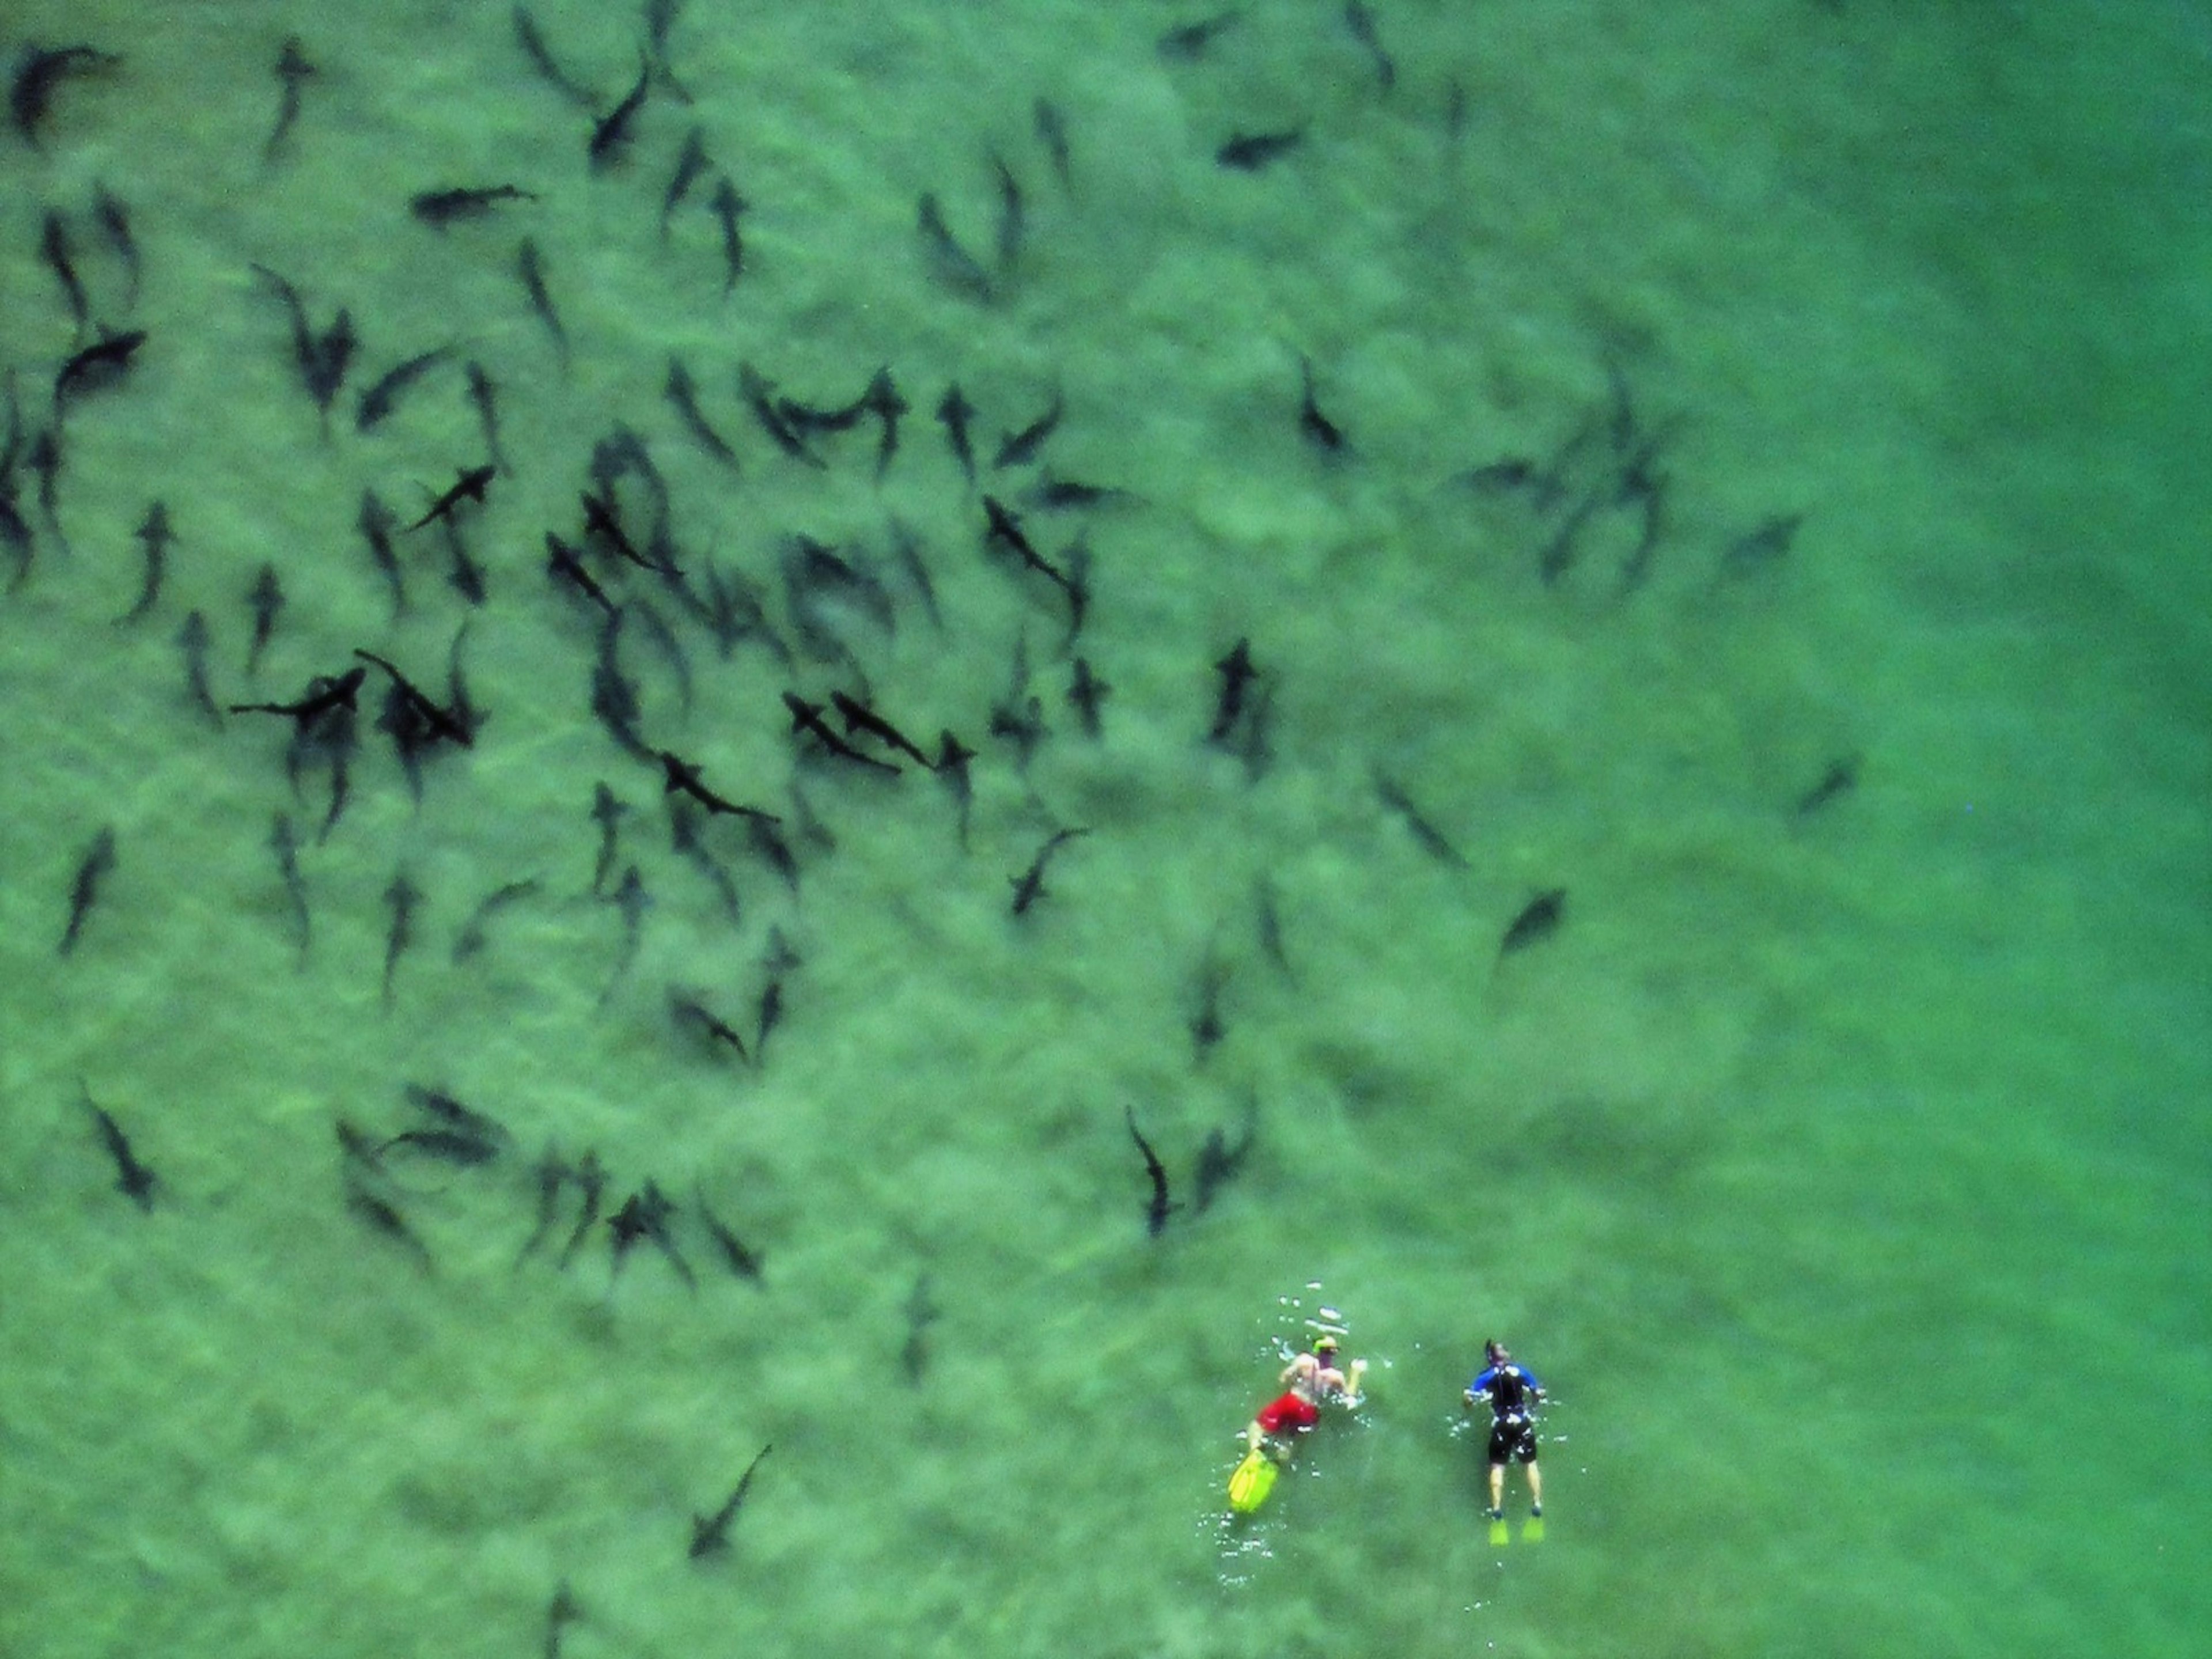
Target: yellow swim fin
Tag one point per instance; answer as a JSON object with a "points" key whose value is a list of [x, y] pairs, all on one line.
{"points": [[1500, 1534], [1532, 1530], [1254, 1479]]}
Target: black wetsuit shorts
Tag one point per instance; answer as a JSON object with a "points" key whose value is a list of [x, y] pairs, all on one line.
{"points": [[1511, 1438]]}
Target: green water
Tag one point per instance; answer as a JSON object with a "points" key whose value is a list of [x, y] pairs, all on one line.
{"points": [[1844, 1174]]}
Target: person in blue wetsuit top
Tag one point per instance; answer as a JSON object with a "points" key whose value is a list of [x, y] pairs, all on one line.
{"points": [[1512, 1393]]}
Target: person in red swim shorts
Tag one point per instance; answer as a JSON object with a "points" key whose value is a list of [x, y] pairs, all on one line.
{"points": [[1311, 1378]]}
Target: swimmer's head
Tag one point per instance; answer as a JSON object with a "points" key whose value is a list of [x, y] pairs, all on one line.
{"points": [[1324, 1345]]}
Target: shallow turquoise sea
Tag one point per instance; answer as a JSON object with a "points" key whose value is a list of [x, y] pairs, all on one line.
{"points": [[1839, 1160]]}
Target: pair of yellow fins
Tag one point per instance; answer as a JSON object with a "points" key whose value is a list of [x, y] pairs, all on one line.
{"points": [[1254, 1479], [1256, 1475], [1532, 1531]]}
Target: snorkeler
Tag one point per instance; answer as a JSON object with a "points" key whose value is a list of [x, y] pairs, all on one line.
{"points": [[1312, 1378], [1513, 1394]]}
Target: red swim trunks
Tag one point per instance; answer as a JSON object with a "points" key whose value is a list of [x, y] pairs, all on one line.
{"points": [[1288, 1412]]}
